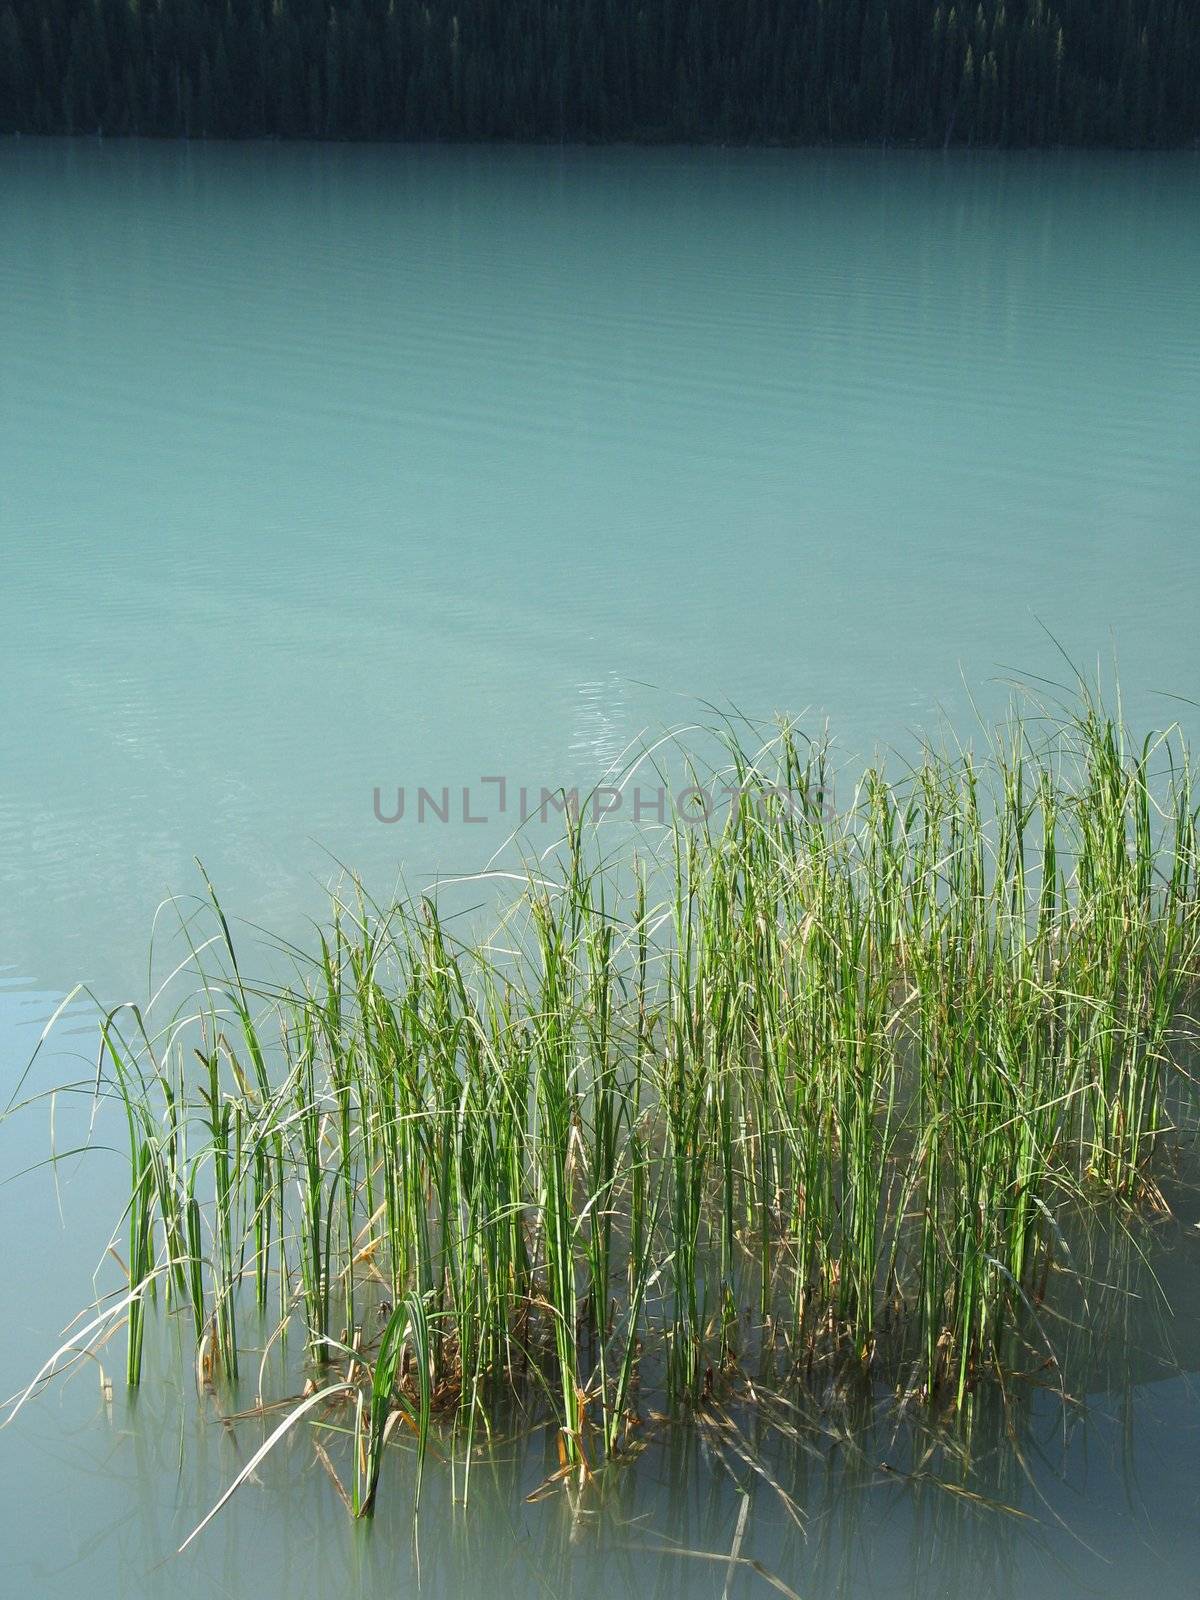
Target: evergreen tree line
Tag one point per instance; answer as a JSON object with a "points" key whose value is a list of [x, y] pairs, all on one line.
{"points": [[994, 72]]}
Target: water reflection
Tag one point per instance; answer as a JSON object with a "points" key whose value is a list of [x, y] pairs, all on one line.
{"points": [[676, 1523], [1059, 1483]]}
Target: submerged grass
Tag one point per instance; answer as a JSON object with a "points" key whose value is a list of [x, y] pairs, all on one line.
{"points": [[805, 1090]]}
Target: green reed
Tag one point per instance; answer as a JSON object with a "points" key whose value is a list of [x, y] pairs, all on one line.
{"points": [[800, 1083]]}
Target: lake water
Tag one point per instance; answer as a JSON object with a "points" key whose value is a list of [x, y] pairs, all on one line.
{"points": [[325, 470]]}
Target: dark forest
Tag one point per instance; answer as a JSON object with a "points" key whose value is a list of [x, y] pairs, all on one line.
{"points": [[1000, 72]]}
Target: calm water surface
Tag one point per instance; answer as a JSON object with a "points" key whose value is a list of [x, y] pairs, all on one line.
{"points": [[324, 469]]}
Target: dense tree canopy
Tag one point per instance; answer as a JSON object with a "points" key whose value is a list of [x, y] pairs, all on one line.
{"points": [[1010, 72]]}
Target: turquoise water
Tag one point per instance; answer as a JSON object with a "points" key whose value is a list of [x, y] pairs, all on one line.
{"points": [[333, 469]]}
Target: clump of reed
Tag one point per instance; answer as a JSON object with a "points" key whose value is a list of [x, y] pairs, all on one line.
{"points": [[799, 1085]]}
